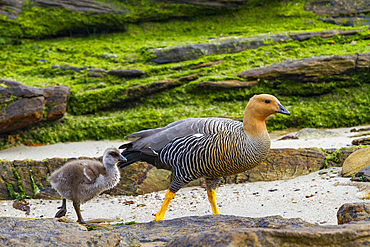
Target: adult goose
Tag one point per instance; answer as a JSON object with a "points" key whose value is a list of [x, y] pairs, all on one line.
{"points": [[205, 147]]}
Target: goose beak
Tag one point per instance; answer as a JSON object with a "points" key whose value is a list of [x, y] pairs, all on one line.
{"points": [[282, 110], [121, 159]]}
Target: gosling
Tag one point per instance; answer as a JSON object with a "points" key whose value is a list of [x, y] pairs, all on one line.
{"points": [[82, 180]]}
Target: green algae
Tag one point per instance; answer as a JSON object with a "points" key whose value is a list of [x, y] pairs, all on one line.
{"points": [[16, 195], [35, 189], [21, 195]]}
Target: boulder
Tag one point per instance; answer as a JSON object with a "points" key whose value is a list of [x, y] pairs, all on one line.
{"points": [[362, 175], [347, 21], [166, 231], [231, 84], [50, 232], [143, 90], [323, 34], [338, 7], [346, 235], [11, 8], [213, 3], [205, 65], [306, 69], [23, 106], [82, 6], [363, 62], [174, 54], [210, 230], [282, 164], [309, 133], [343, 154], [361, 141], [356, 161], [131, 73], [350, 212]]}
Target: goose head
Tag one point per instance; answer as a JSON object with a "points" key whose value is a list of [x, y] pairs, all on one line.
{"points": [[258, 109], [112, 157], [263, 105]]}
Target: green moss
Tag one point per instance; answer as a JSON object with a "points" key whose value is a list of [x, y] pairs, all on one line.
{"points": [[17, 196], [35, 189], [127, 223], [21, 194], [333, 156], [11, 192]]}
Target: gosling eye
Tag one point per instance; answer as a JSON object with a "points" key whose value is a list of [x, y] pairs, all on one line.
{"points": [[114, 154], [267, 101]]}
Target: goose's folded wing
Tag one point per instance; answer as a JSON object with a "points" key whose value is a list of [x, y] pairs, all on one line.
{"points": [[91, 172], [158, 138]]}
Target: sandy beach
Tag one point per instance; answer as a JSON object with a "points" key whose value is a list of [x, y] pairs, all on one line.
{"points": [[315, 197]]}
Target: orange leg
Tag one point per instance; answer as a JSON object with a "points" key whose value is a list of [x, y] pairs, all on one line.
{"points": [[160, 214], [212, 199]]}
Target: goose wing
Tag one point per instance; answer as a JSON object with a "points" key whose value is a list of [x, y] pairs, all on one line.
{"points": [[158, 138], [91, 171]]}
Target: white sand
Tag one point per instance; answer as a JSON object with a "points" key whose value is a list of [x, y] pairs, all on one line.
{"points": [[315, 198]]}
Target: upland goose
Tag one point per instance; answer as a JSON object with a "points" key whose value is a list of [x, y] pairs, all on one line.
{"points": [[205, 147], [82, 180]]}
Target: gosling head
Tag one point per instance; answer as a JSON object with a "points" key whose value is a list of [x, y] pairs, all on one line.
{"points": [[263, 105], [112, 157]]}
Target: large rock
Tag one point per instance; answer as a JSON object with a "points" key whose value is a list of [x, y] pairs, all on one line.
{"points": [[310, 133], [213, 3], [143, 178], [323, 34], [131, 73], [362, 175], [338, 7], [219, 230], [306, 69], [282, 164], [49, 232], [174, 54], [361, 141], [350, 212], [346, 235], [230, 84], [12, 9], [81, 6], [168, 230], [356, 161], [343, 154], [22, 106], [143, 90]]}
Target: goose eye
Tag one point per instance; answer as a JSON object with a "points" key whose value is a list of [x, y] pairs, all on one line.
{"points": [[267, 101]]}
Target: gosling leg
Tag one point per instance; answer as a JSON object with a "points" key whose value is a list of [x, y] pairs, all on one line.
{"points": [[63, 209], [212, 199], [80, 220], [160, 214]]}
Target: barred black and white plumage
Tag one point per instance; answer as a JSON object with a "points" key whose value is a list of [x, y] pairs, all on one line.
{"points": [[206, 147], [223, 151]]}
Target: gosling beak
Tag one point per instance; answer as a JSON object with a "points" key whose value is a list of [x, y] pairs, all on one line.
{"points": [[121, 160], [282, 110]]}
